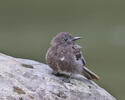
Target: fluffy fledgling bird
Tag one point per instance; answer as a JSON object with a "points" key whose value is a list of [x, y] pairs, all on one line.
{"points": [[64, 56]]}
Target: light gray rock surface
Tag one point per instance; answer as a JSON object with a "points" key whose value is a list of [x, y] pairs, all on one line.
{"points": [[22, 79]]}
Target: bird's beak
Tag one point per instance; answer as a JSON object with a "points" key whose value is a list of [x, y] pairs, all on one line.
{"points": [[76, 38]]}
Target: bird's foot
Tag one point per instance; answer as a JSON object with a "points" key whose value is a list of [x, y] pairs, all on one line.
{"points": [[64, 77]]}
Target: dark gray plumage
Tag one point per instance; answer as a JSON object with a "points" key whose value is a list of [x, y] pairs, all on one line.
{"points": [[64, 56]]}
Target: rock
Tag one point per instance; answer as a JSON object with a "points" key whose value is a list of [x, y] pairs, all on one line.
{"points": [[22, 79]]}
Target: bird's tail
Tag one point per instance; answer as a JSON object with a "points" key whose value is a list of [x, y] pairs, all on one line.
{"points": [[89, 74]]}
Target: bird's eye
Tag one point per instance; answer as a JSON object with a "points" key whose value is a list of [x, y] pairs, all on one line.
{"points": [[65, 39]]}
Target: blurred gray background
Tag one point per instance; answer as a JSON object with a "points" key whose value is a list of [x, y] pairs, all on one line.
{"points": [[27, 26]]}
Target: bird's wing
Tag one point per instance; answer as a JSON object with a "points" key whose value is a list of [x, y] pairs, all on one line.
{"points": [[83, 60], [78, 54], [86, 72]]}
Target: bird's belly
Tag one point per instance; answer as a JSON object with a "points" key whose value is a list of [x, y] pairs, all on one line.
{"points": [[70, 67]]}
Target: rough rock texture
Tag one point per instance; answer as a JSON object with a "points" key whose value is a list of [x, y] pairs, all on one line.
{"points": [[22, 79]]}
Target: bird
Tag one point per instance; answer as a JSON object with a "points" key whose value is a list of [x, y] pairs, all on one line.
{"points": [[65, 56]]}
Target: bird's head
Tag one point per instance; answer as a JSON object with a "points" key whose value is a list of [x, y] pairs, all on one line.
{"points": [[64, 38]]}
